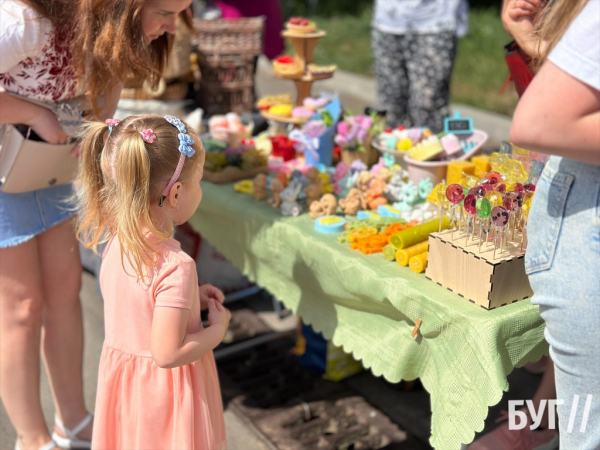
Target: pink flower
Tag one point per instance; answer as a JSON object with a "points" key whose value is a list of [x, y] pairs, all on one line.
{"points": [[148, 135]]}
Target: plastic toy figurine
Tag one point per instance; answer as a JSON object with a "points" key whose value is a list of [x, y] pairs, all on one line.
{"points": [[275, 187], [364, 180], [374, 195], [260, 187], [353, 202], [313, 192], [326, 206], [289, 197], [393, 191]]}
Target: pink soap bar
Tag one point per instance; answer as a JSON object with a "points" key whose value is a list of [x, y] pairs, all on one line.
{"points": [[451, 144]]}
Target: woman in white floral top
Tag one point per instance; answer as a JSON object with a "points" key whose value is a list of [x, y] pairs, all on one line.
{"points": [[54, 50]]}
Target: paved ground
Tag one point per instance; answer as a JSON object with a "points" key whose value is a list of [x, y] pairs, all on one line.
{"points": [[408, 409]]}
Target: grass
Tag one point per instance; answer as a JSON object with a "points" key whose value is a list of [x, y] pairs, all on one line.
{"points": [[479, 70]]}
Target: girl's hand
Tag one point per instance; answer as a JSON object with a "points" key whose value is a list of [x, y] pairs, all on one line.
{"points": [[207, 292], [47, 126], [218, 315], [520, 8]]}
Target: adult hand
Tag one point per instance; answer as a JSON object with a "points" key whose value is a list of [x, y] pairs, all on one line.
{"points": [[207, 292], [520, 8], [47, 126]]}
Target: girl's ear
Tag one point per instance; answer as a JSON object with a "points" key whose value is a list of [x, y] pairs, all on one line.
{"points": [[174, 196]]}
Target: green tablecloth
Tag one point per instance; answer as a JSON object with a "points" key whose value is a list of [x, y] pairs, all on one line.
{"points": [[369, 306]]}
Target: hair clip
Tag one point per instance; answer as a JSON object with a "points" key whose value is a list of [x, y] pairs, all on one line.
{"points": [[148, 135], [112, 123], [186, 150]]}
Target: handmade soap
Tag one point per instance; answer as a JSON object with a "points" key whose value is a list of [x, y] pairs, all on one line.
{"points": [[418, 263], [403, 256], [482, 165], [418, 233], [457, 170]]}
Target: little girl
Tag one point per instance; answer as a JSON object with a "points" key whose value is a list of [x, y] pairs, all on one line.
{"points": [[158, 385]]}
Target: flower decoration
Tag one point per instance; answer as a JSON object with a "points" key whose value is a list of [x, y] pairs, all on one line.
{"points": [[148, 135], [112, 123], [185, 145]]}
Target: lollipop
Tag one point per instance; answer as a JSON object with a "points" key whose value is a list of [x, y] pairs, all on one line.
{"points": [[455, 194], [484, 211], [495, 198], [471, 209], [469, 181], [492, 178], [477, 191], [513, 201], [500, 218], [442, 200]]}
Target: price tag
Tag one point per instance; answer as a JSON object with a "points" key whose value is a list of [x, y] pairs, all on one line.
{"points": [[458, 125]]}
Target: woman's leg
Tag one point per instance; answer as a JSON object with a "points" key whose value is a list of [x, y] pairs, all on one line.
{"points": [[429, 60], [62, 336], [21, 304], [390, 75]]}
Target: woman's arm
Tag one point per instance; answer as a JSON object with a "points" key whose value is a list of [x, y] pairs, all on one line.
{"points": [[108, 111], [559, 115], [41, 120]]}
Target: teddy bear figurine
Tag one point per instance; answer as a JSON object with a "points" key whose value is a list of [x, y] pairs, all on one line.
{"points": [[275, 187]]}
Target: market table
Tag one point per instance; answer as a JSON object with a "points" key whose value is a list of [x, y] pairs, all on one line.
{"points": [[369, 306]]}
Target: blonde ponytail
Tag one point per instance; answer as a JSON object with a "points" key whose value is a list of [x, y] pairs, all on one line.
{"points": [[120, 177]]}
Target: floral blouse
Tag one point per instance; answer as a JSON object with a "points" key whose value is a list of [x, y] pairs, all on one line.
{"points": [[33, 62]]}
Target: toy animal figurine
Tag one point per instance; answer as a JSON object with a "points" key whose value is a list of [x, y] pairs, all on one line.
{"points": [[326, 206], [384, 174], [260, 187], [353, 202], [393, 191], [364, 180], [374, 196], [289, 197], [275, 187], [313, 192]]}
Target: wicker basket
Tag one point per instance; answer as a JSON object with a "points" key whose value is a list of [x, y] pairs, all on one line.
{"points": [[229, 37]]}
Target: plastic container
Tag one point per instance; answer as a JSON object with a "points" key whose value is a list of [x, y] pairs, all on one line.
{"points": [[436, 170]]}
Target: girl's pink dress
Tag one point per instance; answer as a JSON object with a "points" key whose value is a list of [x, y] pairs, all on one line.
{"points": [[140, 406]]}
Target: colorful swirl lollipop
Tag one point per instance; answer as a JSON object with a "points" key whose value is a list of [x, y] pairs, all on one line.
{"points": [[470, 208], [500, 217], [484, 211], [455, 195]]}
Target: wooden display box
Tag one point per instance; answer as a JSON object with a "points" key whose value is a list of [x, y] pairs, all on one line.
{"points": [[477, 276]]}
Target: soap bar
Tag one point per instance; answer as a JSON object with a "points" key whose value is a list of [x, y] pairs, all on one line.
{"points": [[457, 170], [451, 144], [482, 165], [389, 252], [418, 263], [403, 256], [427, 149], [418, 233]]}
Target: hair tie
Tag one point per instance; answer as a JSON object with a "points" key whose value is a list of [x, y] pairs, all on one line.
{"points": [[148, 135], [112, 123], [186, 150]]}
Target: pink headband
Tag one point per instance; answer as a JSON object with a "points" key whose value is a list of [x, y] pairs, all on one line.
{"points": [[186, 150]]}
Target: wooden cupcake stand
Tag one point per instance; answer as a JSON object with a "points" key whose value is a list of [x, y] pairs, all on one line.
{"points": [[304, 45]]}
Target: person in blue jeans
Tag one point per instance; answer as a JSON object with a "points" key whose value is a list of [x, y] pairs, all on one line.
{"points": [[559, 114]]}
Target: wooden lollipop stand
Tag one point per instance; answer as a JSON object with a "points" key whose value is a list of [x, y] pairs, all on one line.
{"points": [[304, 45], [480, 276]]}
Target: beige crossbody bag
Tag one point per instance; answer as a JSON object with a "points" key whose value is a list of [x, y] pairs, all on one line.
{"points": [[27, 165]]}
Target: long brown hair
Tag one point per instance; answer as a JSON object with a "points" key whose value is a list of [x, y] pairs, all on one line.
{"points": [[107, 42], [552, 23], [121, 176]]}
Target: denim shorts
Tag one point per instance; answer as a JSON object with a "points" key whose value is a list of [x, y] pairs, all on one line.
{"points": [[23, 216], [563, 263]]}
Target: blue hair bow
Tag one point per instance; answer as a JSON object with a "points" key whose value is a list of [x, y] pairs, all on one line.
{"points": [[185, 141]]}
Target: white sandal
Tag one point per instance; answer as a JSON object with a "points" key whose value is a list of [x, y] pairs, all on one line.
{"points": [[72, 441], [47, 446]]}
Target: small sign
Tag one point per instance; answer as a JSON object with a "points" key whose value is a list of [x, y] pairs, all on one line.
{"points": [[458, 125]]}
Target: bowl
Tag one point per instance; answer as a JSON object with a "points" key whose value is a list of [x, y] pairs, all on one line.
{"points": [[436, 170]]}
